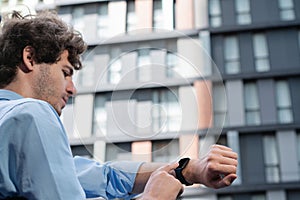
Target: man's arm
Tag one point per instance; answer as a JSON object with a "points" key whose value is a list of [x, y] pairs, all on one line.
{"points": [[38, 155], [217, 169], [162, 185]]}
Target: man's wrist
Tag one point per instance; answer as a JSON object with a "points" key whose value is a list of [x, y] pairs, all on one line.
{"points": [[187, 172], [183, 165]]}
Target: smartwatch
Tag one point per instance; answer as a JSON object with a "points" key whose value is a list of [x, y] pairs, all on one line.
{"points": [[178, 171]]}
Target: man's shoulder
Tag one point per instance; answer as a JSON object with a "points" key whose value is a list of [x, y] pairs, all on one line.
{"points": [[25, 106]]}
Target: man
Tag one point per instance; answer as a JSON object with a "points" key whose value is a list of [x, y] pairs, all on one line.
{"points": [[37, 58]]}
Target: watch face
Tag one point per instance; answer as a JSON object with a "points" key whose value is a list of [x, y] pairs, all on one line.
{"points": [[183, 162]]}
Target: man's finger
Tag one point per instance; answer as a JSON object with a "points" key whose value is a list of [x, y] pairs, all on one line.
{"points": [[169, 167], [227, 180]]}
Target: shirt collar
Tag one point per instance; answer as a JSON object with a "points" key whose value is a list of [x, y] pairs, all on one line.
{"points": [[9, 95]]}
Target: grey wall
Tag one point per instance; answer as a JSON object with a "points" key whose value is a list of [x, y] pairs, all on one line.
{"points": [[252, 161], [258, 11], [246, 53], [284, 51], [276, 195], [217, 52], [266, 94], [228, 12], [295, 95]]}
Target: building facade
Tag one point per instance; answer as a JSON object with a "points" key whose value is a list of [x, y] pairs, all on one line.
{"points": [[164, 79]]}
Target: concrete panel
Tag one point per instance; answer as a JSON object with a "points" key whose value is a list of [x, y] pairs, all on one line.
{"points": [[236, 110], [142, 151], [144, 119], [190, 55], [168, 13], [206, 60], [189, 146], [90, 32], [184, 14], [189, 109], [289, 168], [201, 14], [204, 98], [121, 118], [144, 12], [129, 64], [101, 64], [158, 68], [66, 17], [99, 151], [117, 17], [233, 141], [83, 115], [68, 120], [276, 195]]}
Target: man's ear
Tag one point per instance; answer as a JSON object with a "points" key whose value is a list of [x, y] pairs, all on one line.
{"points": [[28, 58]]}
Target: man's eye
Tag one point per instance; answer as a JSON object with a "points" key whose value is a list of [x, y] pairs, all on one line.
{"points": [[66, 73]]}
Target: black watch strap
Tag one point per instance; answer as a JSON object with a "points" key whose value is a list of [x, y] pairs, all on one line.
{"points": [[178, 171]]}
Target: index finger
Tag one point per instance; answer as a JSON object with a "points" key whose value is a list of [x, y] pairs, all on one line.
{"points": [[169, 167]]}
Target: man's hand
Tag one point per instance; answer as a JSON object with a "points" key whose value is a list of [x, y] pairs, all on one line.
{"points": [[161, 185], [216, 169]]}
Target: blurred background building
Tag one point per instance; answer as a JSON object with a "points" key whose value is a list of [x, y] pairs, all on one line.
{"points": [[150, 92]]}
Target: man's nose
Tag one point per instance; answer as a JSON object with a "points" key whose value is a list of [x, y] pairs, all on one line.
{"points": [[71, 89]]}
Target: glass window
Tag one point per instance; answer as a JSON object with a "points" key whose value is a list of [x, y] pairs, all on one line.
{"points": [[232, 55], [299, 39], [222, 140], [78, 19], [100, 116], [82, 150], [298, 147], [171, 62], [271, 159], [243, 11], [252, 107], [166, 115], [86, 75], [284, 104], [261, 53], [165, 150], [258, 197], [103, 21], [287, 11], [219, 105], [215, 13], [115, 66], [118, 151], [225, 197], [131, 22], [143, 63], [158, 17]]}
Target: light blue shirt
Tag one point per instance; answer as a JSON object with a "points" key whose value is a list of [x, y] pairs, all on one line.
{"points": [[36, 161]]}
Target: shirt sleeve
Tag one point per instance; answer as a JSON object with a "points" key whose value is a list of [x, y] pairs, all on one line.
{"points": [[109, 180], [39, 163]]}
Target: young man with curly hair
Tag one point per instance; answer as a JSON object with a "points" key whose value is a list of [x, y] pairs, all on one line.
{"points": [[38, 55]]}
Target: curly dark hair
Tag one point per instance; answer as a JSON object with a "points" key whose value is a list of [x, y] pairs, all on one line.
{"points": [[48, 36]]}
